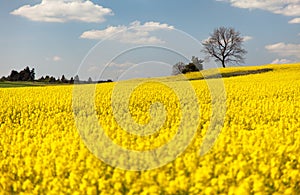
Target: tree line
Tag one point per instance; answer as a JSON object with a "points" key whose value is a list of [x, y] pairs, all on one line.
{"points": [[29, 75], [24, 75]]}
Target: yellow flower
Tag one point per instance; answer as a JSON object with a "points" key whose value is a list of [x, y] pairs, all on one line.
{"points": [[257, 151]]}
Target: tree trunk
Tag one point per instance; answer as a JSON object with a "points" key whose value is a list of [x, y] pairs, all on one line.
{"points": [[223, 64]]}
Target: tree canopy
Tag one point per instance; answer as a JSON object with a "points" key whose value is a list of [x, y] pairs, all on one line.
{"points": [[24, 75]]}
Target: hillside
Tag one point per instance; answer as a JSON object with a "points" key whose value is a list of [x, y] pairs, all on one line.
{"points": [[199, 142]]}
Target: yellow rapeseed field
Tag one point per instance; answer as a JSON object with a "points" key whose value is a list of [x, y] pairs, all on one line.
{"points": [[42, 151]]}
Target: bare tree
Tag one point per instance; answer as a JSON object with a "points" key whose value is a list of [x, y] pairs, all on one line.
{"points": [[225, 45], [178, 68], [197, 62]]}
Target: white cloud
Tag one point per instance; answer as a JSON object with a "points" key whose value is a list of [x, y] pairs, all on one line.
{"points": [[283, 7], [247, 38], [56, 58], [281, 61], [112, 65], [285, 50], [94, 69], [64, 11], [123, 65], [295, 21], [135, 33]]}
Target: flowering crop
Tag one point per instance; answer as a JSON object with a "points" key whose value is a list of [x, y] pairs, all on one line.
{"points": [[257, 151]]}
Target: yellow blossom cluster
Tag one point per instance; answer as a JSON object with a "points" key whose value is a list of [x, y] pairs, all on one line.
{"points": [[42, 150]]}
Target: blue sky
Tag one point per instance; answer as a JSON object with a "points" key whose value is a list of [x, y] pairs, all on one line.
{"points": [[138, 38]]}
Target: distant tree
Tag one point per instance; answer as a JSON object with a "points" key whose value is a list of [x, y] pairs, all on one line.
{"points": [[178, 68], [76, 79], [90, 80], [32, 75], [52, 80], [42, 79], [63, 79], [105, 81], [47, 78], [24, 75], [3, 79], [190, 68], [225, 45], [71, 80], [194, 66], [14, 76], [197, 62]]}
